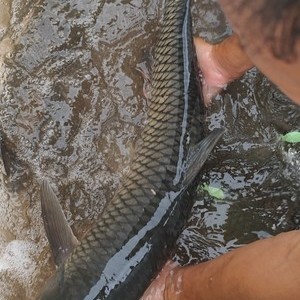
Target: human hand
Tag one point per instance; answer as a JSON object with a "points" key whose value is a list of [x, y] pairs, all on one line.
{"points": [[220, 64], [213, 77], [156, 290]]}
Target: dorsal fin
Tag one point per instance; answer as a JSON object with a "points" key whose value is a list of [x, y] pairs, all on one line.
{"points": [[59, 233]]}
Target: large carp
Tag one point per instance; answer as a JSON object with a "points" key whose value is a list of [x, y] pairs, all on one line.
{"points": [[138, 228]]}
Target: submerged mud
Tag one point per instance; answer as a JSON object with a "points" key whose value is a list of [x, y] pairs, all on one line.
{"points": [[72, 106]]}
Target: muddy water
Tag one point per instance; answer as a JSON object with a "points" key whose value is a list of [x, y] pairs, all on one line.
{"points": [[72, 106]]}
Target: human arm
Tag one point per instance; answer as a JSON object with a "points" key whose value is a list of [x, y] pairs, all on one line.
{"points": [[267, 270], [270, 37]]}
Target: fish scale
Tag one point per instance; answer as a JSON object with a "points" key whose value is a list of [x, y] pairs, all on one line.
{"points": [[139, 226]]}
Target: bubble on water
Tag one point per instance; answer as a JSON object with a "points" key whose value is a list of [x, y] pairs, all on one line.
{"points": [[292, 160], [18, 263], [88, 77], [293, 157]]}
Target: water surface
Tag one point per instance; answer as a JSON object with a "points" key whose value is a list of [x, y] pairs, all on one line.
{"points": [[72, 107]]}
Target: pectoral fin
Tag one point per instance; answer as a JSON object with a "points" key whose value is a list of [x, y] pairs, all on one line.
{"points": [[59, 233], [200, 154]]}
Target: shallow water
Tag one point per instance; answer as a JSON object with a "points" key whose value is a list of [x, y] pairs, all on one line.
{"points": [[72, 107]]}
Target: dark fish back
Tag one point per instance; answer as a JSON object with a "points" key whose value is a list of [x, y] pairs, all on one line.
{"points": [[131, 241]]}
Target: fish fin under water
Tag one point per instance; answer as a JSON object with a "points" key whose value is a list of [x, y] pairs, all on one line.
{"points": [[9, 164], [4, 159], [59, 233], [199, 155]]}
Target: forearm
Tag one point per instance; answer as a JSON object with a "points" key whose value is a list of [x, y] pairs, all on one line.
{"points": [[266, 270], [198, 282], [205, 281]]}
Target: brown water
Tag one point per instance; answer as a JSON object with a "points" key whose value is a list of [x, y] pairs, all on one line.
{"points": [[72, 107]]}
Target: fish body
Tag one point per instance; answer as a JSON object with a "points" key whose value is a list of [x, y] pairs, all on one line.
{"points": [[138, 228]]}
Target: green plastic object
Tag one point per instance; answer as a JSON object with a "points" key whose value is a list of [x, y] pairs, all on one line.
{"points": [[214, 192], [291, 137]]}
